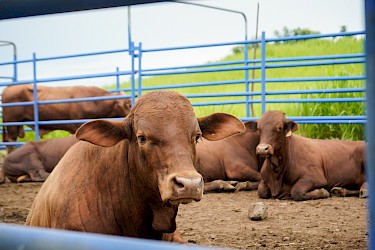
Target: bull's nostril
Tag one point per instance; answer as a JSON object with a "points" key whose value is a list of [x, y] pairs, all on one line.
{"points": [[177, 183]]}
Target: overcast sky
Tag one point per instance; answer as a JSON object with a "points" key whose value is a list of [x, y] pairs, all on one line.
{"points": [[162, 25]]}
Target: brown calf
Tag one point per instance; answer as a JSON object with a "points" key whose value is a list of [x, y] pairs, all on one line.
{"points": [[303, 168]]}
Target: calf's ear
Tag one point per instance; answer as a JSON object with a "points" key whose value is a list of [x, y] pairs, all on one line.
{"points": [[290, 127], [220, 125], [251, 125], [102, 132]]}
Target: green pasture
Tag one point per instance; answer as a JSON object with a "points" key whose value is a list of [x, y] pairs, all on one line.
{"points": [[345, 45]]}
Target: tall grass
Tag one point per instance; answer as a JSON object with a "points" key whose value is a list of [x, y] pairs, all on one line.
{"points": [[337, 131]]}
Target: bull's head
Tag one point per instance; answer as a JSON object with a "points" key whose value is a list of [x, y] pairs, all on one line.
{"points": [[274, 129], [162, 131]]}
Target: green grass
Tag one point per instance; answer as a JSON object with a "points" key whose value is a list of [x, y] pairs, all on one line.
{"points": [[345, 45]]}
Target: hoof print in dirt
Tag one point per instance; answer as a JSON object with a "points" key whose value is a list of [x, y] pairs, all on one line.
{"points": [[258, 211]]}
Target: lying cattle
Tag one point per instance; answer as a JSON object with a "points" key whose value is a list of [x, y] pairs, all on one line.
{"points": [[35, 160], [129, 177], [231, 159], [303, 168], [61, 111]]}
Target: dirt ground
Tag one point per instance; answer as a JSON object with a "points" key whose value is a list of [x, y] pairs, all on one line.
{"points": [[221, 220]]}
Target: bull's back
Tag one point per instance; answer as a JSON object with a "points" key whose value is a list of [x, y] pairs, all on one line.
{"points": [[344, 162]]}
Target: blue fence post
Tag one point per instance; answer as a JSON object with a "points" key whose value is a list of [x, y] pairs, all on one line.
{"points": [[117, 81], [370, 85], [139, 69], [246, 64], [132, 74], [35, 95], [263, 72], [15, 68]]}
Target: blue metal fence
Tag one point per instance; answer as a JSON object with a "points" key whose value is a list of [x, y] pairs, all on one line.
{"points": [[243, 99], [22, 237]]}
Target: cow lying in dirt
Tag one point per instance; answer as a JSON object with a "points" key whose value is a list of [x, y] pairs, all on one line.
{"points": [[303, 168], [129, 177], [60, 111], [35, 160], [230, 164]]}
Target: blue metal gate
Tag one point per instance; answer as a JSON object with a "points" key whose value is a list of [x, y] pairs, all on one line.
{"points": [[243, 98]]}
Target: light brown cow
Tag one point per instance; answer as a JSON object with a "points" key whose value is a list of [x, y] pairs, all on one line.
{"points": [[61, 111], [304, 168], [35, 160], [129, 177], [230, 164]]}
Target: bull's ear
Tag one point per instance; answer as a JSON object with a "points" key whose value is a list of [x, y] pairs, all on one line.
{"points": [[251, 125], [220, 125], [102, 132], [290, 127]]}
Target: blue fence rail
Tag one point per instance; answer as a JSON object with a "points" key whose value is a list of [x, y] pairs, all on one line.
{"points": [[22, 237], [243, 99]]}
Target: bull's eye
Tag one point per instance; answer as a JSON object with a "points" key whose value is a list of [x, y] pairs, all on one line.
{"points": [[141, 139], [198, 137]]}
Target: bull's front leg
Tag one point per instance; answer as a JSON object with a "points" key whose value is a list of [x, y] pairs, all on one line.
{"points": [[264, 191], [306, 189]]}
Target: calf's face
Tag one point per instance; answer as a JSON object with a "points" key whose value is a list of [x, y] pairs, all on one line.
{"points": [[273, 129], [162, 131]]}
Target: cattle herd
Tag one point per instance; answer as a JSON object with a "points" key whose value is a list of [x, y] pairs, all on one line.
{"points": [[134, 173]]}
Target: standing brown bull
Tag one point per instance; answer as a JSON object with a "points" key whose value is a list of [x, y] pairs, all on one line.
{"points": [[61, 111], [230, 159], [303, 168], [35, 160], [129, 177]]}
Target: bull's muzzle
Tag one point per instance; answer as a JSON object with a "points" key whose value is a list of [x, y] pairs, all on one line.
{"points": [[264, 150], [182, 188]]}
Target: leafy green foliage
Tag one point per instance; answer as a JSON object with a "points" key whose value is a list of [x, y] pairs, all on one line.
{"points": [[286, 32]]}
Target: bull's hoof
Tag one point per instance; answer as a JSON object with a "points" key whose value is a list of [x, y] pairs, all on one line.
{"points": [[218, 186], [23, 178], [363, 191], [320, 193], [339, 191], [246, 186], [228, 187]]}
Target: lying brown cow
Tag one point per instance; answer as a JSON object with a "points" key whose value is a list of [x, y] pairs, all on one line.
{"points": [[35, 160], [230, 164], [129, 177], [62, 111], [303, 168]]}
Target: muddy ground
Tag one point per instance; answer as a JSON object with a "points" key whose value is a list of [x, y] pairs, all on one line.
{"points": [[221, 220]]}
